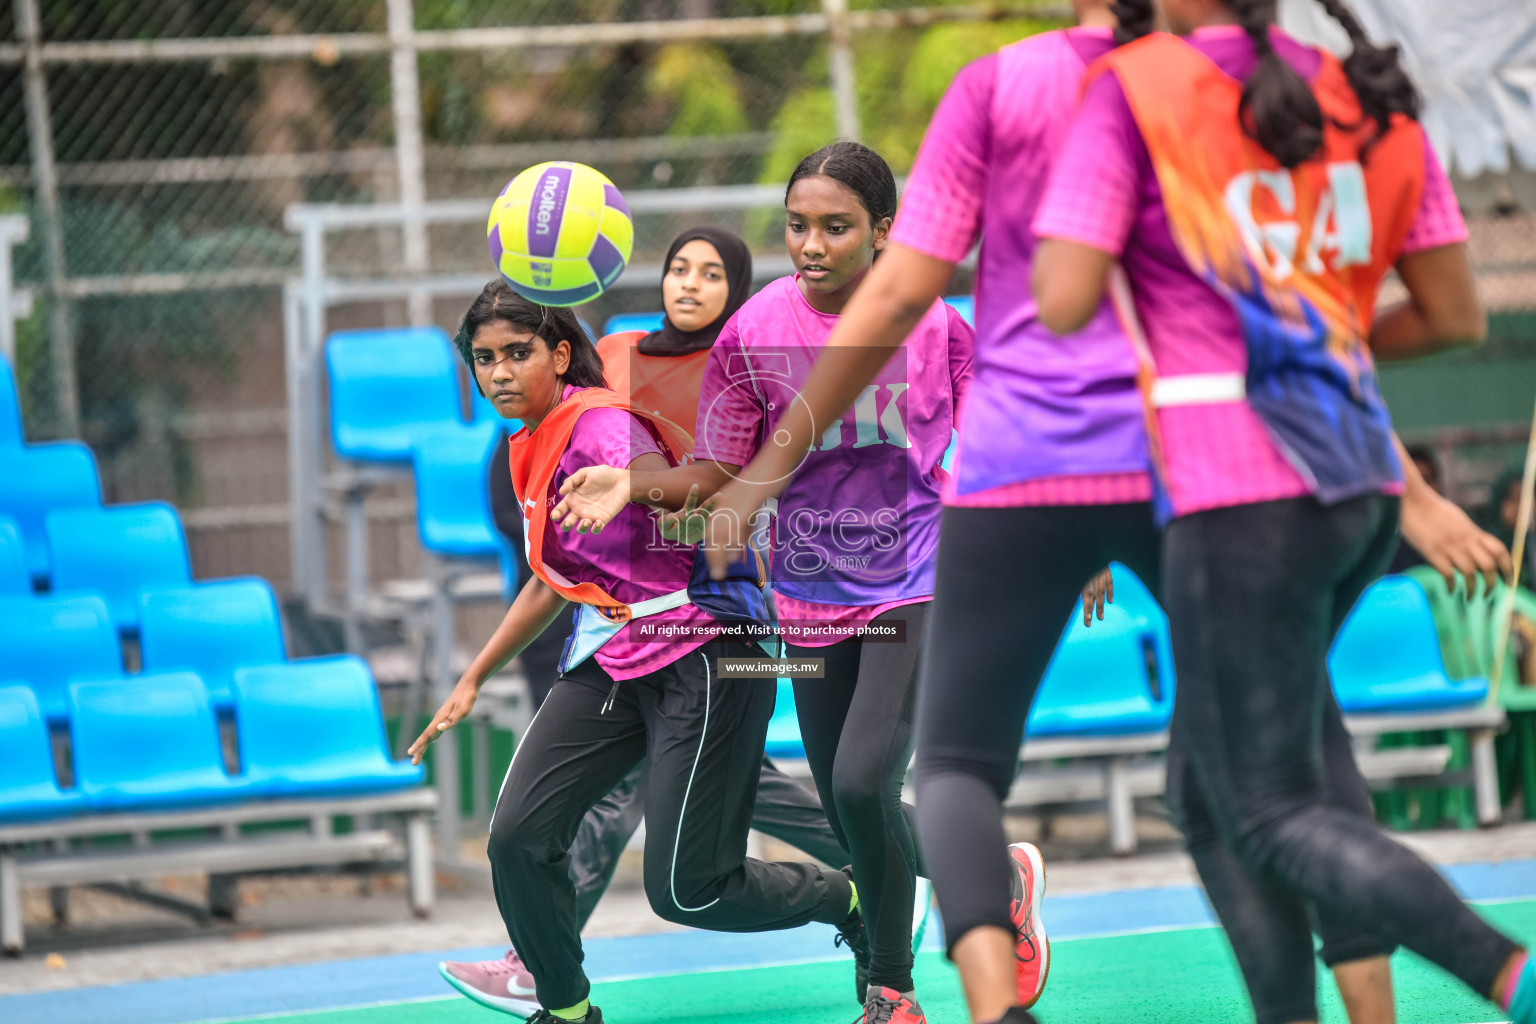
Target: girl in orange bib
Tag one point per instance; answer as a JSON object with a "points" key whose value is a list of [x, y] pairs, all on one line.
{"points": [[1256, 191], [640, 677]]}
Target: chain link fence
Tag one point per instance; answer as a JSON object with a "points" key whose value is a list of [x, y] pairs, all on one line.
{"points": [[155, 145]]}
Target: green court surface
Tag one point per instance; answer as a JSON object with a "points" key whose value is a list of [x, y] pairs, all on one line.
{"points": [[1165, 977]]}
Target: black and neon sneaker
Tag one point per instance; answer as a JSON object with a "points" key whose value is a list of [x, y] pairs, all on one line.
{"points": [[594, 1016], [855, 936]]}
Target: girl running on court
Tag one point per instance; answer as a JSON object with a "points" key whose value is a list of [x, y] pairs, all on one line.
{"points": [[1049, 476], [622, 697], [856, 529], [1256, 191], [706, 277]]}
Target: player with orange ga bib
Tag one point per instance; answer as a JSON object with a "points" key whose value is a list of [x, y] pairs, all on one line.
{"points": [[1256, 191]]}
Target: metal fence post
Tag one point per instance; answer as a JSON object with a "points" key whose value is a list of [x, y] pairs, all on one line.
{"points": [[845, 94], [46, 184], [405, 90], [306, 455], [15, 304]]}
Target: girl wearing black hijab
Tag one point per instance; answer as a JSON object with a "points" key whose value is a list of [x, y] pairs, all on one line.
{"points": [[706, 278]]}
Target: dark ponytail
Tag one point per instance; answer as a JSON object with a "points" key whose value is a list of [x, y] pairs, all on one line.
{"points": [[860, 168], [1278, 110], [497, 301], [1379, 81], [1136, 19]]}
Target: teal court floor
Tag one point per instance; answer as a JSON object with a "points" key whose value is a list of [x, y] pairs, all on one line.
{"points": [[1147, 955]]}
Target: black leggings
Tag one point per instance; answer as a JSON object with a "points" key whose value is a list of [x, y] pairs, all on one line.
{"points": [[856, 723], [1006, 580], [1254, 595]]}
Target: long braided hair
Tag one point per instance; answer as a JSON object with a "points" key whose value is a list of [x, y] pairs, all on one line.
{"points": [[1278, 109]]}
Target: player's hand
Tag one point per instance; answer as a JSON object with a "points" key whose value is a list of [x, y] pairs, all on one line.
{"points": [[730, 522], [459, 704], [1448, 539], [1099, 590], [688, 524], [592, 497]]}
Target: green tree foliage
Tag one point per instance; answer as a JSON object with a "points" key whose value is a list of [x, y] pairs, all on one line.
{"points": [[699, 84]]}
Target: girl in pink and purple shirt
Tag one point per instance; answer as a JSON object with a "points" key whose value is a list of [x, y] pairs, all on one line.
{"points": [[855, 529], [1253, 269]]}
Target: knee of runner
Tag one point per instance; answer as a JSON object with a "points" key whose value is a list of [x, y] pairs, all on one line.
{"points": [[680, 901], [996, 773], [513, 841], [862, 790]]}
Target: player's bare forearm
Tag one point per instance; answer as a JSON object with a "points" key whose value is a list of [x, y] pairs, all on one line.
{"points": [[1442, 311], [668, 489], [534, 608]]}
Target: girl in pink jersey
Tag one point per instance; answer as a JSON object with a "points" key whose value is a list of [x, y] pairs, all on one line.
{"points": [[1049, 478], [1254, 269], [623, 695], [856, 528]]}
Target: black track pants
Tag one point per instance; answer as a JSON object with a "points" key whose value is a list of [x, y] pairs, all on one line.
{"points": [[704, 739]]}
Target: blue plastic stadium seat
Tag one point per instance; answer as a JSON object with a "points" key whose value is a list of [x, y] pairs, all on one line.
{"points": [[148, 742], [784, 727], [386, 383], [1386, 657], [965, 306], [116, 552], [46, 641], [10, 408], [14, 577], [211, 628], [634, 322], [38, 478], [453, 499], [314, 727], [1114, 678], [28, 789]]}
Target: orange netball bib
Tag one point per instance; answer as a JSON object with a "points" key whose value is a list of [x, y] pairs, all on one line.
{"points": [[1299, 252]]}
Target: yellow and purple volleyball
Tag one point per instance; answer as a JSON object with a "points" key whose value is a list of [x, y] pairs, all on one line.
{"points": [[560, 233]]}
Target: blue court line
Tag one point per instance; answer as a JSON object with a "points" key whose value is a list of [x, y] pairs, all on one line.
{"points": [[343, 983]]}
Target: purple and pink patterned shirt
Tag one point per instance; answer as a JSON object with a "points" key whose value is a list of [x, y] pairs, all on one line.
{"points": [[1104, 193], [629, 559], [857, 528], [1048, 420]]}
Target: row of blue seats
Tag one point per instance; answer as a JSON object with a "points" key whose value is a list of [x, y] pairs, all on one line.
{"points": [[211, 628], [151, 742], [1117, 678]]}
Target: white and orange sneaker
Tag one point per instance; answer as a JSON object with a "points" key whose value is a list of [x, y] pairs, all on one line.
{"points": [[887, 1006], [1032, 949], [504, 984]]}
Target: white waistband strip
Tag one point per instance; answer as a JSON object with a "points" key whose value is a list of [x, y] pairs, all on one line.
{"points": [[1199, 389], [665, 602]]}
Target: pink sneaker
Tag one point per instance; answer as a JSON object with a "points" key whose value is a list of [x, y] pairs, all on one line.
{"points": [[503, 984], [1032, 950]]}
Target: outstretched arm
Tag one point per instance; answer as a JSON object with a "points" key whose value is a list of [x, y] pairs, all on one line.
{"points": [[535, 607], [592, 496], [900, 288]]}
